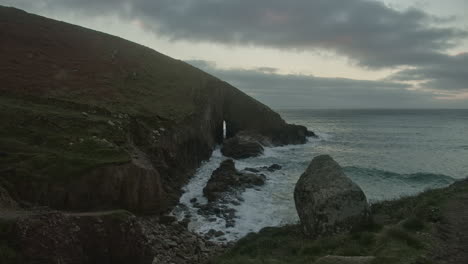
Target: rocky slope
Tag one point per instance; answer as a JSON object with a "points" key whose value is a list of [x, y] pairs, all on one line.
{"points": [[44, 236], [91, 121]]}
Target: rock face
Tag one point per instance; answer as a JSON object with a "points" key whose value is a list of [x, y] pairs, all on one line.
{"points": [[226, 178], [243, 145], [327, 201], [103, 237]]}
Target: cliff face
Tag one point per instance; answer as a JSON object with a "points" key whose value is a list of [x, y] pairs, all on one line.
{"points": [[92, 121]]}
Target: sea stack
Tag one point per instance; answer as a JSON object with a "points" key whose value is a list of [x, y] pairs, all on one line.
{"points": [[327, 201]]}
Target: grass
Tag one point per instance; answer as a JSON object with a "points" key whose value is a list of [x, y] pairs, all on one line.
{"points": [[55, 142], [397, 233], [288, 245]]}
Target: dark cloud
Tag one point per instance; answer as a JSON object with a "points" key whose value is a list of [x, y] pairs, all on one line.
{"points": [[449, 73], [283, 91], [368, 32]]}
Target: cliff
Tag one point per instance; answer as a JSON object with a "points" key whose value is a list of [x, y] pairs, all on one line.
{"points": [[91, 121]]}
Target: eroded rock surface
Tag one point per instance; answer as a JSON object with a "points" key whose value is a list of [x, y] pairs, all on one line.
{"points": [[227, 178], [327, 201], [244, 145]]}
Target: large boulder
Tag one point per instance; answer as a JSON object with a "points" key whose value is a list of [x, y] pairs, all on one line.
{"points": [[327, 201], [244, 145], [226, 178]]}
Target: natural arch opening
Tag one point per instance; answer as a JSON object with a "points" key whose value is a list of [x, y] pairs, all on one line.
{"points": [[224, 129]]}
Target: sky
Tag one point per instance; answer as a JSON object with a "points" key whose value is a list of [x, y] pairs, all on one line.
{"points": [[299, 53]]}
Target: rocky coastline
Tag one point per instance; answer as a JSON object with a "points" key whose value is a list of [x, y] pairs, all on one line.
{"points": [[98, 136]]}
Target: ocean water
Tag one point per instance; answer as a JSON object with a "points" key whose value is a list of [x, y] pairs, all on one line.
{"points": [[388, 153]]}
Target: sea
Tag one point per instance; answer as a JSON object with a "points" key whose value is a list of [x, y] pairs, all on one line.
{"points": [[388, 153]]}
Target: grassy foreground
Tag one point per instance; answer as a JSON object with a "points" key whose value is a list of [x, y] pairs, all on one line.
{"points": [[400, 231]]}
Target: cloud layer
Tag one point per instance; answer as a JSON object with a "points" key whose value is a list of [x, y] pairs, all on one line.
{"points": [[285, 91], [449, 73], [368, 32]]}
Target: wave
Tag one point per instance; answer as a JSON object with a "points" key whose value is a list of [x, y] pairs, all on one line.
{"points": [[385, 185], [419, 177], [322, 136]]}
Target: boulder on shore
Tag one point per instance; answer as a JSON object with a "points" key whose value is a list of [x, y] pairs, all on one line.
{"points": [[327, 201], [226, 178], [244, 145]]}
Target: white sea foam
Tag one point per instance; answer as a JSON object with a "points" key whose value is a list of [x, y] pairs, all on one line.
{"points": [[268, 205]]}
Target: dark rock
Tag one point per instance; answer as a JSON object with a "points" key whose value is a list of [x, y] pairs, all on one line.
{"points": [[252, 170], [327, 201], [311, 134], [274, 167], [210, 234], [185, 222], [167, 219], [242, 146], [193, 200], [226, 178]]}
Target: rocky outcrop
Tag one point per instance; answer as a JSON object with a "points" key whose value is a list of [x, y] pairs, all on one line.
{"points": [[242, 146], [104, 237], [225, 187], [239, 109], [271, 168], [227, 178], [327, 201]]}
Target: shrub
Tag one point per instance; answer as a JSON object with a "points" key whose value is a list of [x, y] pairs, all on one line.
{"points": [[413, 224]]}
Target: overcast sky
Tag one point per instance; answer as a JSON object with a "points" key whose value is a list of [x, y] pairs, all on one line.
{"points": [[300, 53]]}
